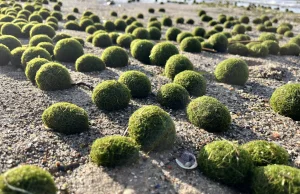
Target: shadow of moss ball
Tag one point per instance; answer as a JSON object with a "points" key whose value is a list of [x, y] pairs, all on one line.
{"points": [[279, 179], [166, 21], [285, 100], [34, 52], [161, 52], [190, 44], [141, 50], [267, 36], [16, 56], [290, 49], [137, 82], [102, 40], [10, 41], [172, 33], [89, 63], [264, 153], [192, 81], [238, 49], [152, 128], [258, 50], [11, 29], [53, 76], [141, 33], [124, 40], [176, 64], [33, 66], [35, 40], [120, 24], [225, 161], [154, 33], [219, 42], [49, 47], [232, 71], [180, 37], [5, 55], [68, 50], [115, 56], [173, 96], [72, 25], [111, 95], [114, 150], [273, 46], [24, 177], [42, 29], [209, 113], [66, 118]]}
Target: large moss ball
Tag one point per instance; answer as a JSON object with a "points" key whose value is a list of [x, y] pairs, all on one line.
{"points": [[152, 128], [42, 29], [88, 63], [115, 150], [67, 50], [115, 56], [285, 100], [10, 41], [172, 33], [176, 64], [34, 52], [33, 66], [219, 42], [173, 96], [232, 71], [161, 52], [264, 153], [102, 40], [290, 49], [67, 118], [209, 113], [137, 82], [141, 50], [111, 95], [273, 46], [5, 55], [238, 49], [192, 81], [16, 55], [225, 162], [279, 179], [191, 44], [30, 178], [11, 29], [53, 76]]}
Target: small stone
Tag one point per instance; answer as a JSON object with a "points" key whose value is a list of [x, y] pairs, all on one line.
{"points": [[129, 191]]}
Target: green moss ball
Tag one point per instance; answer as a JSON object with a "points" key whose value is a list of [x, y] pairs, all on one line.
{"points": [[34, 52], [206, 18], [42, 29], [282, 29], [167, 21], [267, 36], [289, 34], [5, 55], [141, 33], [258, 50], [137, 82], [130, 28], [238, 49], [111, 95], [219, 42], [290, 49], [84, 23], [154, 33], [66, 118], [232, 71], [152, 128], [33, 66], [72, 25], [35, 40], [156, 24], [109, 26], [176, 64], [161, 52], [124, 40], [89, 63], [141, 50], [225, 162], [16, 56], [198, 31], [244, 19], [207, 45], [115, 56], [24, 177], [102, 40], [10, 41], [172, 33], [273, 46], [190, 44], [120, 25], [11, 29], [279, 179], [60, 36], [239, 29], [49, 47], [115, 150], [68, 50], [180, 37]]}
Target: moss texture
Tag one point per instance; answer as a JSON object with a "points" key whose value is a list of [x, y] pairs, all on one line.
{"points": [[190, 44], [154, 33], [273, 46], [166, 21], [176, 64], [33, 66], [124, 40], [42, 29], [258, 50], [102, 40], [49, 47], [141, 33], [161, 52], [115, 56], [89, 63], [290, 49], [267, 36], [68, 50], [141, 50], [172, 33], [198, 31], [35, 40], [11, 29]]}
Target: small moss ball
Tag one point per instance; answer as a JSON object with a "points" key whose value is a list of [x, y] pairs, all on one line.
{"points": [[120, 25], [11, 29], [115, 150], [102, 40], [282, 29], [167, 21], [141, 50], [42, 29], [10, 41], [24, 177], [190, 44], [115, 56], [273, 46], [5, 55], [232, 71], [16, 56], [124, 40], [267, 36], [151, 10], [109, 26], [290, 49], [141, 33], [35, 40], [152, 128], [66, 118], [239, 29], [286, 34], [161, 52], [84, 23], [89, 63], [137, 82], [34, 52], [264, 153], [154, 33], [176, 64], [285, 100], [279, 179], [156, 24], [244, 19], [198, 31], [219, 42], [68, 50], [238, 49], [225, 161], [207, 45], [33, 66], [130, 28], [111, 95], [258, 50], [180, 37], [172, 33]]}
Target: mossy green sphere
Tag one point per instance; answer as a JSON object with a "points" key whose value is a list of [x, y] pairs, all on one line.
{"points": [[137, 82], [53, 76], [172, 33], [11, 29], [290, 49], [24, 177], [244, 19], [111, 95], [5, 55], [154, 33], [10, 41], [66, 118], [161, 52], [141, 50], [279, 179], [35, 40], [265, 153], [115, 56], [84, 23], [198, 31], [238, 49], [182, 36], [141, 33], [49, 47], [258, 50], [67, 50], [232, 71], [225, 161], [109, 26], [115, 150], [167, 21], [207, 45], [16, 56], [89, 63], [36, 18], [152, 128], [120, 25], [267, 36], [124, 40], [285, 100], [190, 44], [173, 96], [282, 29], [130, 28], [239, 29], [295, 40], [102, 40], [273, 46], [34, 52], [72, 25], [156, 24], [219, 42], [33, 66], [176, 64], [42, 29], [289, 34]]}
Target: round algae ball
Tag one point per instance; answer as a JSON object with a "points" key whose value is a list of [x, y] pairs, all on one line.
{"points": [[67, 50], [88, 63], [176, 64], [161, 52], [115, 56]]}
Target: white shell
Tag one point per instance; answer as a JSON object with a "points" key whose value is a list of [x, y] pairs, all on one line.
{"points": [[186, 167]]}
